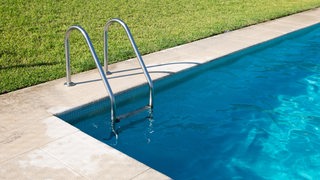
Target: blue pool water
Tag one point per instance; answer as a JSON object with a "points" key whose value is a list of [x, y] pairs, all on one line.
{"points": [[254, 114]]}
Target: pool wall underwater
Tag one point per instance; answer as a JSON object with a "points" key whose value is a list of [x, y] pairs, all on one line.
{"points": [[227, 158]]}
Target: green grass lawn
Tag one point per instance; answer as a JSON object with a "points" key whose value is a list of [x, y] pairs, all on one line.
{"points": [[32, 31]]}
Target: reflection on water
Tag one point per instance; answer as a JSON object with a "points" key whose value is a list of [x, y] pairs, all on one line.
{"points": [[252, 115]]}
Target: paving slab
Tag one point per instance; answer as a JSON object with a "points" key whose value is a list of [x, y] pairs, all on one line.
{"points": [[34, 144]]}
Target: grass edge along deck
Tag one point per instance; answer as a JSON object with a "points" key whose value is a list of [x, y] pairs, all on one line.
{"points": [[36, 144]]}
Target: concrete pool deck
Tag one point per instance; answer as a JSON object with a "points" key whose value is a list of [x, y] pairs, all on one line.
{"points": [[34, 144]]}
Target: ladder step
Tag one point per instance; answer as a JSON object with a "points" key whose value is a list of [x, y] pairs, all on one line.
{"points": [[131, 113]]}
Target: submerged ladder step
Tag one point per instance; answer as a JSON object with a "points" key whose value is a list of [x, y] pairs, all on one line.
{"points": [[103, 73], [132, 113]]}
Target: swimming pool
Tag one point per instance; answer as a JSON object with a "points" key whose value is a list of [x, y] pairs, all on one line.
{"points": [[251, 115]]}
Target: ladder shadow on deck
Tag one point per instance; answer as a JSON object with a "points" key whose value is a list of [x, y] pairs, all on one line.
{"points": [[103, 72], [138, 73]]}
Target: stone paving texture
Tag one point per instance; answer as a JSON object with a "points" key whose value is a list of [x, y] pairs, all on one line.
{"points": [[34, 144]]}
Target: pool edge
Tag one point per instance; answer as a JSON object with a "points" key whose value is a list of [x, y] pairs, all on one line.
{"points": [[33, 122]]}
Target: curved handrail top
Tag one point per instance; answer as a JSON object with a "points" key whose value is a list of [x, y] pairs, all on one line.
{"points": [[135, 48], [96, 60], [83, 32], [133, 44], [123, 24]]}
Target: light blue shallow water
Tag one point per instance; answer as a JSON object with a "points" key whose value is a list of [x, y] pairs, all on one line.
{"points": [[251, 115]]}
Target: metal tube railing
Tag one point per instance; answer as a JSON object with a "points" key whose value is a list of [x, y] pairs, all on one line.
{"points": [[97, 62], [134, 46], [114, 117]]}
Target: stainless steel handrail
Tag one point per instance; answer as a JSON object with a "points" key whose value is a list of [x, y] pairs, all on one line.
{"points": [[134, 46], [97, 62], [103, 74]]}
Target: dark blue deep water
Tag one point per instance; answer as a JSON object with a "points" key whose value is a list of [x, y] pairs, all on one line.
{"points": [[254, 114]]}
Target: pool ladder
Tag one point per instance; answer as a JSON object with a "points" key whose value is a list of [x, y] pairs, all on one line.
{"points": [[103, 73]]}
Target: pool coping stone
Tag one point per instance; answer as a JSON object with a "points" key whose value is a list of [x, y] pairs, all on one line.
{"points": [[35, 144]]}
